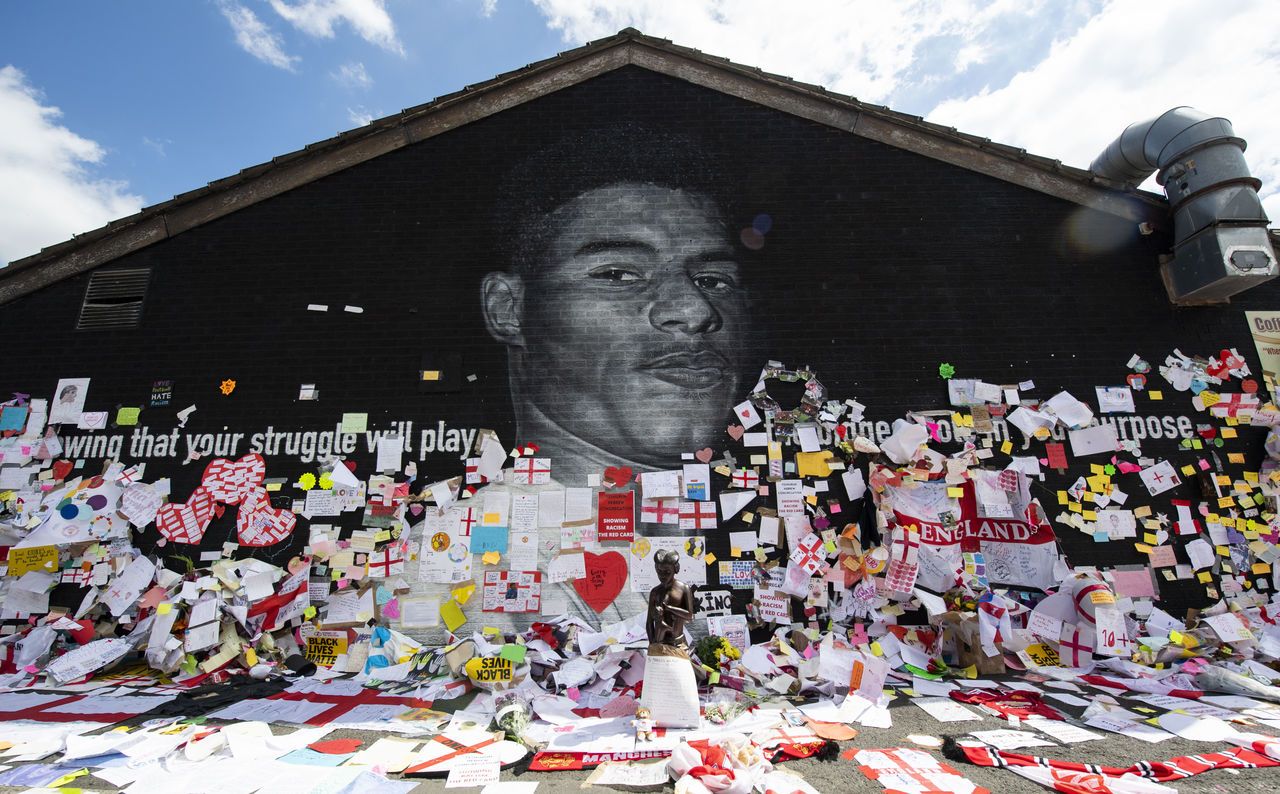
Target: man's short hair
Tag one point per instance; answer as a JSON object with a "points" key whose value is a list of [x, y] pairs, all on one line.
{"points": [[584, 160]]}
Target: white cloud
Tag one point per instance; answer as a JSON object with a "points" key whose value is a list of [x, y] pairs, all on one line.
{"points": [[353, 75], [488, 7], [1134, 61], [255, 38], [867, 48], [1060, 79], [360, 115], [49, 193], [317, 18], [156, 145]]}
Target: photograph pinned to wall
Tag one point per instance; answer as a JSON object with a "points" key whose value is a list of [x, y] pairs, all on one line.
{"points": [[68, 401]]}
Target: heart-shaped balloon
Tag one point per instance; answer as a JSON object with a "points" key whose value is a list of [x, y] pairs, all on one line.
{"points": [[260, 524], [606, 576], [186, 523], [230, 482], [618, 476]]}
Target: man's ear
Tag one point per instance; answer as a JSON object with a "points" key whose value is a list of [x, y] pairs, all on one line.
{"points": [[502, 298]]}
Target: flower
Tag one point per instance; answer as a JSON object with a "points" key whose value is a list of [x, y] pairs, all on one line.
{"points": [[227, 387], [946, 371]]}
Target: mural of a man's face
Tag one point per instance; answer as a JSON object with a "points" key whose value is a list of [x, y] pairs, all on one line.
{"points": [[629, 332]]}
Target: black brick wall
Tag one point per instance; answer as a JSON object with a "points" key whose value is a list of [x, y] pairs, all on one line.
{"points": [[881, 264]]}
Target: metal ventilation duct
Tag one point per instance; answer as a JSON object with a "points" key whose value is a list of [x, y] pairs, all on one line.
{"points": [[1220, 230]]}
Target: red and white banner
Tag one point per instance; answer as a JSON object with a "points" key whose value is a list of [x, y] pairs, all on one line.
{"points": [[1019, 548]]}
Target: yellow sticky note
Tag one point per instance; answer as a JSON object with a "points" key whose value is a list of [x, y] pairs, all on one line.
{"points": [[1062, 497], [463, 593], [491, 519], [250, 657], [1189, 470], [126, 417], [491, 558], [164, 609], [1205, 577], [1142, 547], [1006, 447], [1226, 501], [710, 558], [813, 464], [1156, 395], [1223, 551], [955, 493], [452, 614], [1150, 537], [1228, 432], [1261, 568]]}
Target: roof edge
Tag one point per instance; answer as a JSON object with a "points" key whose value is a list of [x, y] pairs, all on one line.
{"points": [[222, 197]]}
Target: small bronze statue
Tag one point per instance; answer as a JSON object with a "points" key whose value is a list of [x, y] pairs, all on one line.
{"points": [[670, 603]]}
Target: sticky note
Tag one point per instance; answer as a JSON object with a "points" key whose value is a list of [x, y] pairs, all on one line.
{"points": [[711, 558], [1205, 577], [126, 417], [955, 493], [355, 423], [1156, 395], [164, 609], [1006, 447], [452, 614], [513, 651], [1228, 432]]}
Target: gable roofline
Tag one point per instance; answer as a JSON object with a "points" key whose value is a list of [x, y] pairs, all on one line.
{"points": [[628, 47]]}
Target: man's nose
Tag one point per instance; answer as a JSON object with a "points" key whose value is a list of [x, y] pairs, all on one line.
{"points": [[680, 307]]}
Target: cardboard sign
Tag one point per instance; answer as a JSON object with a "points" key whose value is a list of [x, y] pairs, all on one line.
{"points": [[325, 647], [714, 602], [616, 516], [33, 558], [490, 669]]}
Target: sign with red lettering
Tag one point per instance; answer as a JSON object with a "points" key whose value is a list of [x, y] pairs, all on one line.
{"points": [[616, 516], [1019, 550]]}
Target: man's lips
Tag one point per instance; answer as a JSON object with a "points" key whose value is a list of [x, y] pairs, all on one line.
{"points": [[700, 370]]}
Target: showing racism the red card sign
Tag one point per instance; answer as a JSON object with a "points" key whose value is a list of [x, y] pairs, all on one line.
{"points": [[616, 516]]}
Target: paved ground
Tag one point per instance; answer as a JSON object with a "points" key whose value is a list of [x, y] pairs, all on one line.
{"points": [[842, 776]]}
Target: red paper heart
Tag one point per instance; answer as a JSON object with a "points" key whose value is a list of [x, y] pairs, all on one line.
{"points": [[618, 476], [606, 576], [736, 431], [260, 524], [1136, 380], [61, 468], [704, 455], [186, 523], [336, 746], [231, 481]]}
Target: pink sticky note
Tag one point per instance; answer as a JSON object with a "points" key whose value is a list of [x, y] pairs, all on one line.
{"points": [[391, 609]]}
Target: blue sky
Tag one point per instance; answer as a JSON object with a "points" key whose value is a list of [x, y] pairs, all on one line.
{"points": [[107, 107]]}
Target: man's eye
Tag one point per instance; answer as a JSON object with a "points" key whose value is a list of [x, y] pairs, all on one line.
{"points": [[615, 275], [714, 282]]}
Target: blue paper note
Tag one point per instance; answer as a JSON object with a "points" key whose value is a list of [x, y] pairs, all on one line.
{"points": [[489, 539], [308, 757]]}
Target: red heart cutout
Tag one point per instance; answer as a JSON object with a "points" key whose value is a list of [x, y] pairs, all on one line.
{"points": [[61, 468], [1136, 380], [618, 476], [260, 524], [704, 455], [336, 746], [186, 523], [229, 482], [736, 431], [606, 576]]}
